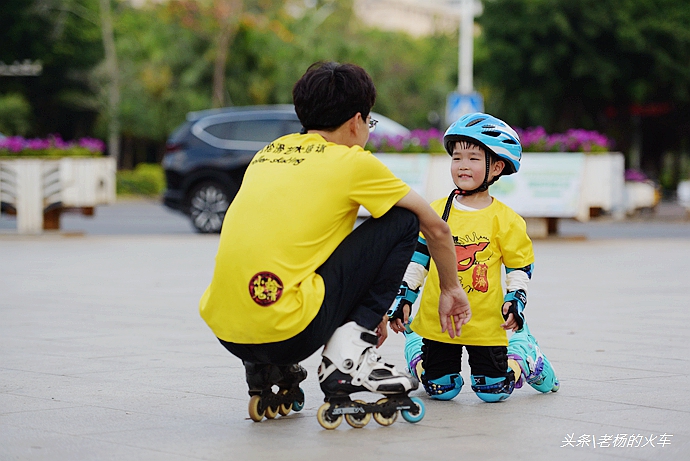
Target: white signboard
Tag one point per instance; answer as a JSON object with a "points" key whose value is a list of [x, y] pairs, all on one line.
{"points": [[547, 185], [412, 169]]}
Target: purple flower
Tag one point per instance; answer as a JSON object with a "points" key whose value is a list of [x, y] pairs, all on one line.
{"points": [[575, 140], [92, 144], [635, 175], [52, 146], [534, 139], [12, 143], [417, 141]]}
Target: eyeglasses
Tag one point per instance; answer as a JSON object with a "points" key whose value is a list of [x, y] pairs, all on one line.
{"points": [[372, 124]]}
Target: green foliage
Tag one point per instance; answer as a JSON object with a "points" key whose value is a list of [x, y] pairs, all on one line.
{"points": [[15, 113], [64, 35], [163, 70], [588, 64], [146, 179], [561, 64]]}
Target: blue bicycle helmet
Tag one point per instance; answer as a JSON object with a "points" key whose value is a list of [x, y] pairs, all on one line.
{"points": [[493, 134]]}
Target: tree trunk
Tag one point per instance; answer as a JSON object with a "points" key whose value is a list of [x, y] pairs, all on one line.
{"points": [[219, 66], [228, 13], [114, 80]]}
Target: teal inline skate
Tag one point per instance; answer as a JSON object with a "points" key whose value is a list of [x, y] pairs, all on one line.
{"points": [[529, 364]]}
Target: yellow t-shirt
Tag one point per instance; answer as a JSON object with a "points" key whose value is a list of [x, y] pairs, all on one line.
{"points": [[298, 201], [485, 240]]}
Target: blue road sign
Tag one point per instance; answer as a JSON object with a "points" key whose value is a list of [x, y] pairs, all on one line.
{"points": [[458, 105]]}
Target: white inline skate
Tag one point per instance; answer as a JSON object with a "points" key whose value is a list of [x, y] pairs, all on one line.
{"points": [[351, 364]]}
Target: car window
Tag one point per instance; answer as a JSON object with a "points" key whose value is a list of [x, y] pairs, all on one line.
{"points": [[248, 130], [293, 126]]}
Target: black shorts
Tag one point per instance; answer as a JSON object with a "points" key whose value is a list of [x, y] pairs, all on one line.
{"points": [[440, 359]]}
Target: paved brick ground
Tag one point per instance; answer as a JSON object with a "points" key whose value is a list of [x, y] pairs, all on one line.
{"points": [[103, 357]]}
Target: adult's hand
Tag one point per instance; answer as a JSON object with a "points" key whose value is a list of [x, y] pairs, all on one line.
{"points": [[382, 331], [453, 311]]}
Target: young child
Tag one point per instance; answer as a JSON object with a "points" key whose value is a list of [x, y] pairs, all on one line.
{"points": [[487, 235]]}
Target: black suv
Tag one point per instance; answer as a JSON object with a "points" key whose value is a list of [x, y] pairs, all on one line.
{"points": [[207, 155]]}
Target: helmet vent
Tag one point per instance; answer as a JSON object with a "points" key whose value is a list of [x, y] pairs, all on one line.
{"points": [[494, 134], [475, 121], [508, 141]]}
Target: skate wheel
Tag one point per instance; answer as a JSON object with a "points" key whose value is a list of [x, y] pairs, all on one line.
{"points": [[256, 413], [284, 408], [515, 366], [556, 386], [298, 404], [326, 421], [414, 417], [382, 419], [272, 412], [359, 420]]}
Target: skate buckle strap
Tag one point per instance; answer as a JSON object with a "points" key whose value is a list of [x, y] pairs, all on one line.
{"points": [[366, 365], [369, 337]]}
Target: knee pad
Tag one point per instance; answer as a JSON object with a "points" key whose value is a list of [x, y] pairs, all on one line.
{"points": [[493, 389], [443, 388]]}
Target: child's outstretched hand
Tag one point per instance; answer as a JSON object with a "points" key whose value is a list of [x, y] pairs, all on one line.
{"points": [[510, 323], [398, 324]]}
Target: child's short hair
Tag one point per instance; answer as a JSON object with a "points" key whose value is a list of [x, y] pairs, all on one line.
{"points": [[329, 94]]}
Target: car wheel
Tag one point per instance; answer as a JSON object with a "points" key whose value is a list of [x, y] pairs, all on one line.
{"points": [[208, 203]]}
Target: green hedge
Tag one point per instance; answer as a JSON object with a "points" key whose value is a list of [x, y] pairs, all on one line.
{"points": [[146, 179]]}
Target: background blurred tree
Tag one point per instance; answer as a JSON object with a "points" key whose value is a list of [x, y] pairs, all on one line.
{"points": [[64, 35], [164, 74], [619, 66], [15, 113], [167, 62]]}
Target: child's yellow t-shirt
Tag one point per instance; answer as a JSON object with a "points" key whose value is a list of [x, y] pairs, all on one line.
{"points": [[485, 240]]}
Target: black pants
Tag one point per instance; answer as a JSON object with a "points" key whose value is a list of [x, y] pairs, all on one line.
{"points": [[361, 277], [440, 359]]}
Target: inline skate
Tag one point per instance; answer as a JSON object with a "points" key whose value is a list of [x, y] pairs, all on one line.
{"points": [[351, 364], [529, 364], [262, 378]]}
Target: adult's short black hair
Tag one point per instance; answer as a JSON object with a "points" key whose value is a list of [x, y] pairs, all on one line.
{"points": [[329, 94]]}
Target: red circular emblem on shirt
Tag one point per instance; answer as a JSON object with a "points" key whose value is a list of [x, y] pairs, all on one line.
{"points": [[265, 288]]}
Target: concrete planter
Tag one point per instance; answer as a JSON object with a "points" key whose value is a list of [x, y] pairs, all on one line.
{"points": [[549, 186], [38, 191]]}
